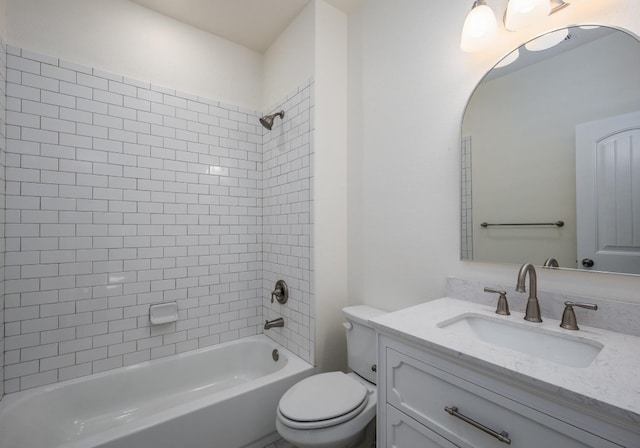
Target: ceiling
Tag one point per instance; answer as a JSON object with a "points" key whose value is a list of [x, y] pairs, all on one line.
{"points": [[251, 23]]}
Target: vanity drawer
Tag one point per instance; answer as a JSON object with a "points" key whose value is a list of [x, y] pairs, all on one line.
{"points": [[423, 391], [405, 432]]}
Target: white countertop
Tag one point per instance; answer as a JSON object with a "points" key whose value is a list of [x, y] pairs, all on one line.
{"points": [[611, 382]]}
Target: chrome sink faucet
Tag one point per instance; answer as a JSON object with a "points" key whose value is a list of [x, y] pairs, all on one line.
{"points": [[532, 313]]}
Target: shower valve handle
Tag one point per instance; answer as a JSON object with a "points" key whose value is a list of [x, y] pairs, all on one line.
{"points": [[280, 292], [276, 293]]}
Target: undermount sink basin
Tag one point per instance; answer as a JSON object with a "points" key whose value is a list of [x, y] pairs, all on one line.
{"points": [[534, 341]]}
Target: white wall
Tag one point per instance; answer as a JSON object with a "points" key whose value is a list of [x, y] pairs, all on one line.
{"points": [[330, 185], [408, 86], [3, 16], [125, 38], [403, 163], [289, 61]]}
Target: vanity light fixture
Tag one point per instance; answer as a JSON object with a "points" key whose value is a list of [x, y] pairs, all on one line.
{"points": [[480, 28], [522, 13], [557, 5]]}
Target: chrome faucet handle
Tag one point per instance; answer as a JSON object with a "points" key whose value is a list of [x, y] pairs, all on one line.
{"points": [[503, 305], [569, 321]]}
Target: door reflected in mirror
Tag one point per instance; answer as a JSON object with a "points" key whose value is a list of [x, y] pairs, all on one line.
{"points": [[554, 136]]}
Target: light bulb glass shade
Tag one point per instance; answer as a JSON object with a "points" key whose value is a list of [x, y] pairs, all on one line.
{"points": [[522, 13], [547, 41], [480, 28]]}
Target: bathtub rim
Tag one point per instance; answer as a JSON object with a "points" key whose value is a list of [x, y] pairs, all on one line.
{"points": [[294, 366]]}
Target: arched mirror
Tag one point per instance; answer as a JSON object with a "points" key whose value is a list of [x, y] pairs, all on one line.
{"points": [[551, 154]]}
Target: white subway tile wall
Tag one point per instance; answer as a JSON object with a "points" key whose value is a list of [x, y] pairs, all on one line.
{"points": [[466, 225], [120, 194], [288, 206], [3, 115]]}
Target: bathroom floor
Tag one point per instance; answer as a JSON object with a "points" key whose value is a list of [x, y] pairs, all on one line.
{"points": [[284, 444]]}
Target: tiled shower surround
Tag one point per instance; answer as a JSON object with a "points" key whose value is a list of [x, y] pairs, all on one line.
{"points": [[3, 101], [466, 224], [121, 194], [288, 204]]}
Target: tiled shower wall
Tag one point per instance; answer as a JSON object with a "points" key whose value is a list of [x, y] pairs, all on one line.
{"points": [[288, 205], [3, 101], [466, 225], [120, 194]]}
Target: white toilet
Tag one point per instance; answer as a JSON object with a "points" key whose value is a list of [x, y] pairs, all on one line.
{"points": [[336, 410]]}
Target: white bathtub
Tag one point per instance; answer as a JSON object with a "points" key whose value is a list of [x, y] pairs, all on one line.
{"points": [[223, 396]]}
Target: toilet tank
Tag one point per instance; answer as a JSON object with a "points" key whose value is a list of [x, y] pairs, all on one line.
{"points": [[361, 340]]}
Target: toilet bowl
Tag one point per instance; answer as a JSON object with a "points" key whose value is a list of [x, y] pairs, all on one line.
{"points": [[339, 422], [336, 409]]}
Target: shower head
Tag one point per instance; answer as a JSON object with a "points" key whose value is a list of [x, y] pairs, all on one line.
{"points": [[267, 120]]}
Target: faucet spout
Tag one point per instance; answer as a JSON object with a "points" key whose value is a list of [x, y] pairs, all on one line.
{"points": [[279, 322], [532, 313]]}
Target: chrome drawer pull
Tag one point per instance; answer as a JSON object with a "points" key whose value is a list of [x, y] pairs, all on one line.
{"points": [[501, 436]]}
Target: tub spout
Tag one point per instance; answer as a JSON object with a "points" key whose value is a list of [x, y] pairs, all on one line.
{"points": [[279, 322]]}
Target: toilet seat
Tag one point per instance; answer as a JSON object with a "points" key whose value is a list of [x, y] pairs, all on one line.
{"points": [[322, 401]]}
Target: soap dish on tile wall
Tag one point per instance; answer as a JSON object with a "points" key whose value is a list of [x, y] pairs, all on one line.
{"points": [[163, 313]]}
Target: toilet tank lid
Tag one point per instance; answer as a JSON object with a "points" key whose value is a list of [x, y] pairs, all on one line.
{"points": [[362, 313]]}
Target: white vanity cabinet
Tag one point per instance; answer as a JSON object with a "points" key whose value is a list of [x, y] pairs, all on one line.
{"points": [[417, 385], [403, 432]]}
